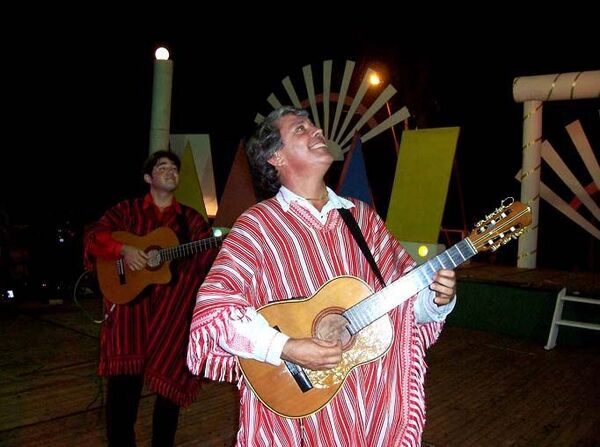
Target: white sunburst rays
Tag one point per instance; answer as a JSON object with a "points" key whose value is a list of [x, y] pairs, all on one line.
{"points": [[560, 168], [347, 109]]}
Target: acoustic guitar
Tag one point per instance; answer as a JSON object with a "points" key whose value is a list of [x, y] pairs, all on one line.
{"points": [[346, 308], [120, 285]]}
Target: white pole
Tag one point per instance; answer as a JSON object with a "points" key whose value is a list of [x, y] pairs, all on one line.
{"points": [[530, 180], [160, 120], [554, 87]]}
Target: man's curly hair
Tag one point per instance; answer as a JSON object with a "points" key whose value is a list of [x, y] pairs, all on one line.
{"points": [[263, 145]]}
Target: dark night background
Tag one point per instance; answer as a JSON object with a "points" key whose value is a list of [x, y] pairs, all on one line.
{"points": [[80, 99]]}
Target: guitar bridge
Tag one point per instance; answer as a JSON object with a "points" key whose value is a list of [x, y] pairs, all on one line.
{"points": [[299, 376], [121, 271], [298, 373]]}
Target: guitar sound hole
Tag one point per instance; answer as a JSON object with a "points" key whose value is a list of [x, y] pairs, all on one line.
{"points": [[331, 325], [154, 259]]}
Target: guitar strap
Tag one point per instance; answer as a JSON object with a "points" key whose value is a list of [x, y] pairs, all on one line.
{"points": [[184, 232], [360, 240]]}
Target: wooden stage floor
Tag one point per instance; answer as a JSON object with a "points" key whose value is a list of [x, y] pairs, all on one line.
{"points": [[483, 389]]}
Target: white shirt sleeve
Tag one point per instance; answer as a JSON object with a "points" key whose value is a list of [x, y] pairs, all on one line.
{"points": [[251, 337], [426, 311]]}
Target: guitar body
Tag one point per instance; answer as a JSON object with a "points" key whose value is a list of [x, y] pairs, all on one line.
{"points": [[318, 316], [118, 283], [325, 316]]}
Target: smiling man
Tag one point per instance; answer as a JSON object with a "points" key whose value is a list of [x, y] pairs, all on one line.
{"points": [[289, 246], [141, 340]]}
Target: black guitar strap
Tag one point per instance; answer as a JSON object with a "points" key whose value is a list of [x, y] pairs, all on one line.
{"points": [[360, 240], [184, 232]]}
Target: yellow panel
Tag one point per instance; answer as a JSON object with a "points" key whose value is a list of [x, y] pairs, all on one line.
{"points": [[421, 183], [190, 192], [200, 146]]}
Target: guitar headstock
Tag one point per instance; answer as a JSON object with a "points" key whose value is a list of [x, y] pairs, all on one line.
{"points": [[507, 222]]}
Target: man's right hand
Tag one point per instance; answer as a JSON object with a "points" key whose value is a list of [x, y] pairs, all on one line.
{"points": [[135, 258], [312, 353]]}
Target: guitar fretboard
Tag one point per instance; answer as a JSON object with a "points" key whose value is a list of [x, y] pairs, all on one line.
{"points": [[377, 305], [178, 251]]}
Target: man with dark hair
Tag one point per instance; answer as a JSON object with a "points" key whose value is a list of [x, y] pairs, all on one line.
{"points": [[143, 340], [290, 246]]}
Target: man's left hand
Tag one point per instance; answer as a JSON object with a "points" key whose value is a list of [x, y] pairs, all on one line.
{"points": [[444, 286]]}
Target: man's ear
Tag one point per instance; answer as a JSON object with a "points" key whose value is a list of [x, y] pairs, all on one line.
{"points": [[147, 178], [276, 160]]}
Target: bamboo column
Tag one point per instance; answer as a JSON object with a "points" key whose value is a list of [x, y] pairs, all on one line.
{"points": [[160, 120]]}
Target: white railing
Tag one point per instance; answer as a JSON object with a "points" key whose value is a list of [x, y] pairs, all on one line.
{"points": [[558, 321]]}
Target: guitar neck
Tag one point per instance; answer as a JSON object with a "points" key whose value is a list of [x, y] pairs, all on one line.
{"points": [[377, 305], [190, 248]]}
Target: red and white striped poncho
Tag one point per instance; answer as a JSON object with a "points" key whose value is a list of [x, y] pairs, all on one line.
{"points": [[272, 254]]}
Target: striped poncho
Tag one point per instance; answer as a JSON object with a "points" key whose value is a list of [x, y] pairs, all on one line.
{"points": [[149, 334], [273, 254]]}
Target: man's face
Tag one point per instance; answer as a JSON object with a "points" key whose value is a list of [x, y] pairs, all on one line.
{"points": [[165, 176], [304, 146]]}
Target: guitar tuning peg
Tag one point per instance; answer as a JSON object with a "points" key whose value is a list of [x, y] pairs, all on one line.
{"points": [[507, 202]]}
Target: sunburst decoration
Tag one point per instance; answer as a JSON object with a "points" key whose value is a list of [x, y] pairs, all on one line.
{"points": [[582, 195], [354, 117]]}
